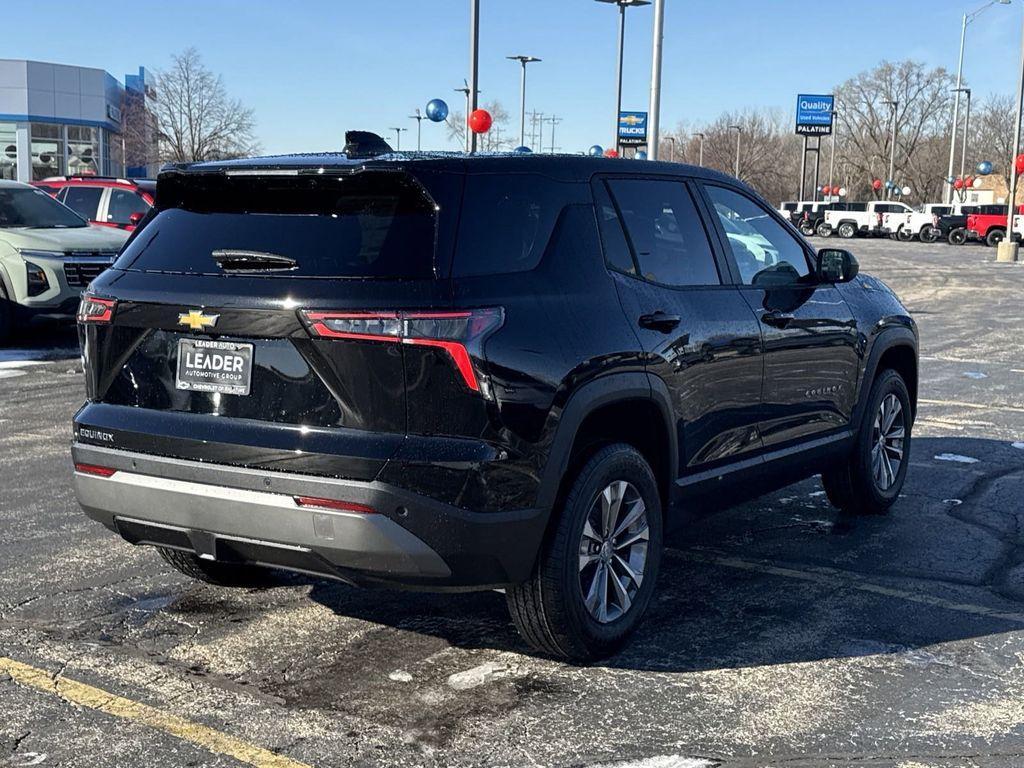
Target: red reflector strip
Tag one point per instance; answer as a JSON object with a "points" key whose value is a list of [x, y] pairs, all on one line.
{"points": [[94, 469], [342, 506]]}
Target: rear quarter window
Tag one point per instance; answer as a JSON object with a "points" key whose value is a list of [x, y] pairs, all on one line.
{"points": [[507, 220]]}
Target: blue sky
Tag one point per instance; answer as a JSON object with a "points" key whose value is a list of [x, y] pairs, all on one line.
{"points": [[313, 68]]}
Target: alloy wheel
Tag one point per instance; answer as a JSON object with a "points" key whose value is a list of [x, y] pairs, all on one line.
{"points": [[887, 442], [613, 551]]}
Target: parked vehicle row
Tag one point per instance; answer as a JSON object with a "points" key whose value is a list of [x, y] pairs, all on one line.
{"points": [[106, 201], [955, 223]]}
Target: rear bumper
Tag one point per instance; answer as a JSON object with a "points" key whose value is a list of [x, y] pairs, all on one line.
{"points": [[249, 515]]}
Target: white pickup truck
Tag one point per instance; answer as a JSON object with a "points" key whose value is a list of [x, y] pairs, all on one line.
{"points": [[921, 224], [860, 218]]}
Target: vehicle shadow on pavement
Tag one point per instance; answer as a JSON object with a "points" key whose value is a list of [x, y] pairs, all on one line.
{"points": [[787, 578]]}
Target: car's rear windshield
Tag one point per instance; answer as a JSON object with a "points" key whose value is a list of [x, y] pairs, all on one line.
{"points": [[364, 225]]}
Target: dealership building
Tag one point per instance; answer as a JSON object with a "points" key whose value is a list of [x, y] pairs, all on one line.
{"points": [[57, 119]]}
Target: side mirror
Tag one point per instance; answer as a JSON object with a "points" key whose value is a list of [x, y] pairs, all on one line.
{"points": [[836, 266], [135, 218]]}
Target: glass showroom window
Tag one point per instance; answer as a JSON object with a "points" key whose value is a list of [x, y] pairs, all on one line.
{"points": [[113, 163], [47, 151], [8, 152], [83, 150]]}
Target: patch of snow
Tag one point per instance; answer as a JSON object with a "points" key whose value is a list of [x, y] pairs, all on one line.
{"points": [[957, 458], [661, 761], [13, 364], [400, 676], [471, 678], [975, 375]]}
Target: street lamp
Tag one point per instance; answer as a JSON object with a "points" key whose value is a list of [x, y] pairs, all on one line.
{"points": [[739, 132], [419, 128], [524, 60], [892, 150], [967, 131], [672, 148], [700, 151], [832, 154], [968, 18], [623, 5], [398, 137], [654, 111]]}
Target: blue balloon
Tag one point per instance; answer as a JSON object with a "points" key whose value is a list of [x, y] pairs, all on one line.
{"points": [[950, 179], [984, 167], [596, 151], [641, 155], [437, 110], [523, 151]]}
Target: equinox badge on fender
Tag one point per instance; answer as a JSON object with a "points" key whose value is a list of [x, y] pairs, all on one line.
{"points": [[196, 320]]}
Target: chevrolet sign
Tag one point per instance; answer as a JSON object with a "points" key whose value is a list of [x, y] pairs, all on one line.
{"points": [[633, 129]]}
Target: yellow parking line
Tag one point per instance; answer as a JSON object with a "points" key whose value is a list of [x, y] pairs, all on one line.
{"points": [[118, 706]]}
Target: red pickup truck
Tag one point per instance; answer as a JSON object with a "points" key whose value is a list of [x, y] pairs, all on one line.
{"points": [[990, 227]]}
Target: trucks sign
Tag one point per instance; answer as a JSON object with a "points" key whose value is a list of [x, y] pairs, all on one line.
{"points": [[632, 129], [814, 114]]}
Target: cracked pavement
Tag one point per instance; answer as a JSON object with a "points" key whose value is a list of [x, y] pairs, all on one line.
{"points": [[782, 633]]}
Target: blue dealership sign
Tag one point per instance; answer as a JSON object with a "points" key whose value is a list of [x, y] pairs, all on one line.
{"points": [[814, 114], [632, 128]]}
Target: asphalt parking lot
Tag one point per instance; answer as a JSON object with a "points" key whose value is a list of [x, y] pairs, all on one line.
{"points": [[782, 634]]}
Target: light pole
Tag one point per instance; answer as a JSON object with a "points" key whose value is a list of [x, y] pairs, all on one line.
{"points": [[623, 5], [893, 105], [832, 153], [474, 64], [968, 18], [398, 137], [671, 148], [1008, 248], [739, 132], [967, 132], [700, 150], [654, 111], [419, 128], [524, 60]]}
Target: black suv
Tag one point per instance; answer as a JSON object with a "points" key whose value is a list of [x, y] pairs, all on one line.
{"points": [[452, 372]]}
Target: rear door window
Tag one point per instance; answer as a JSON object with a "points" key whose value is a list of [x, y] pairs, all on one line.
{"points": [[85, 201], [122, 204], [368, 225], [507, 220], [669, 242]]}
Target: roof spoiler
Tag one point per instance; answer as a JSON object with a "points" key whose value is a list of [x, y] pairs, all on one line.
{"points": [[365, 144]]}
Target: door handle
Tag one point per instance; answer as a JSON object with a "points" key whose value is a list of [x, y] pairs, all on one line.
{"points": [[659, 321], [777, 319]]}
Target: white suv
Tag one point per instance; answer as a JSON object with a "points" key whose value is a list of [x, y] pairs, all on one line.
{"points": [[48, 255]]}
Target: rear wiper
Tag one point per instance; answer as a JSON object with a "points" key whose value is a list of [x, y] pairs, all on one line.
{"points": [[253, 261]]}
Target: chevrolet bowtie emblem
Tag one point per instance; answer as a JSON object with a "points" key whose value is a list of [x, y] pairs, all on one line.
{"points": [[196, 320]]}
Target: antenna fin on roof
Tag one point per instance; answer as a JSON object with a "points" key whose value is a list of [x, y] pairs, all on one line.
{"points": [[365, 144]]}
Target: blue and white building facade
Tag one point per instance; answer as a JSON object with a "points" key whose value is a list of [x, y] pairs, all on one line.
{"points": [[57, 119]]}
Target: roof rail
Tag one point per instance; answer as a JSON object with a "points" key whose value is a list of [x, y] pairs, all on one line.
{"points": [[89, 177]]}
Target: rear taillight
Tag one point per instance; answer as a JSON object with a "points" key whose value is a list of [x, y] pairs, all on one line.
{"points": [[459, 333], [93, 309]]}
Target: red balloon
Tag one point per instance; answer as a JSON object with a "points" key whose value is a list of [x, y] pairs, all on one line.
{"points": [[826, 190], [480, 121], [1019, 164], [876, 184], [969, 181], [958, 184], [610, 153]]}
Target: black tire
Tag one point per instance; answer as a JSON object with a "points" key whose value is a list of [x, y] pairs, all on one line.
{"points": [[824, 230], [904, 235], [929, 234], [549, 609], [213, 572], [847, 230], [957, 236], [6, 317], [995, 237], [853, 487], [806, 228]]}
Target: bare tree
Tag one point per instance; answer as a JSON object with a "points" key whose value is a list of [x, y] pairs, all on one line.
{"points": [[992, 135], [493, 140], [922, 99], [196, 119]]}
